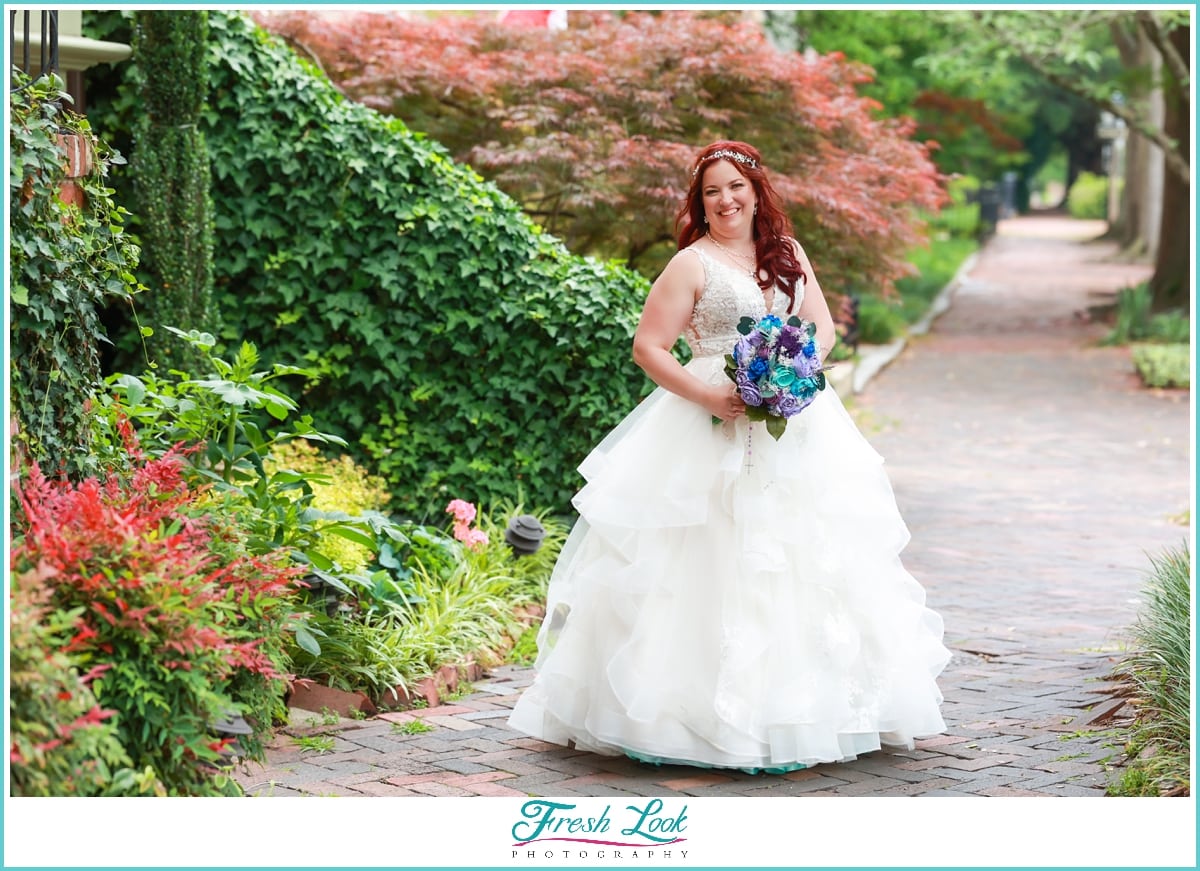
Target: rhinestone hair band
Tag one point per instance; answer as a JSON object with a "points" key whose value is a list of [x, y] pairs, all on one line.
{"points": [[731, 155]]}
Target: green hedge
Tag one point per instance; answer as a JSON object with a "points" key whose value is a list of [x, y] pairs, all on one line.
{"points": [[1163, 365], [1088, 197], [463, 352]]}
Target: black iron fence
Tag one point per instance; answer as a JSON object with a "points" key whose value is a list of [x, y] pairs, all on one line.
{"points": [[23, 54]]}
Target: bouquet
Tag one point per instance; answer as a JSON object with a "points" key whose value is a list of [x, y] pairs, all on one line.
{"points": [[777, 369]]}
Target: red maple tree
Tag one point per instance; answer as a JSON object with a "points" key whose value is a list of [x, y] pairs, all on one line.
{"points": [[592, 128]]}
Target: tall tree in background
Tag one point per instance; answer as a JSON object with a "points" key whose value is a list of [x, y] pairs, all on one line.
{"points": [[172, 177], [975, 136], [1073, 50], [987, 115], [593, 128]]}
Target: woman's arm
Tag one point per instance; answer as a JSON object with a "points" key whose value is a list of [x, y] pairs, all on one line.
{"points": [[666, 313], [814, 308]]}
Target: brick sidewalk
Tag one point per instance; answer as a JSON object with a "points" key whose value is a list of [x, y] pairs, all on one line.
{"points": [[1035, 474]]}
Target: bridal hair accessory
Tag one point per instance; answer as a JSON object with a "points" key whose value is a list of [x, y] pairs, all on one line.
{"points": [[728, 155]]}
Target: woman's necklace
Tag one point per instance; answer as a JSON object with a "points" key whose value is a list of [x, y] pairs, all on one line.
{"points": [[752, 271]]}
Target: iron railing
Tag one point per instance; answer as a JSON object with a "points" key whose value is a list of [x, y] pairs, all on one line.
{"points": [[48, 56]]}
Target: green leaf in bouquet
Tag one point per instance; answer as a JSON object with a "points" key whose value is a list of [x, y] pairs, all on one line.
{"points": [[776, 426], [730, 367], [756, 412], [746, 325], [794, 321], [819, 380]]}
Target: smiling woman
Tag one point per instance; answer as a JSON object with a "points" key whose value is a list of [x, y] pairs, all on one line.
{"points": [[728, 600]]}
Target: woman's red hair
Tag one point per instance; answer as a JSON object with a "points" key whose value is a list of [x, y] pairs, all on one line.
{"points": [[772, 227]]}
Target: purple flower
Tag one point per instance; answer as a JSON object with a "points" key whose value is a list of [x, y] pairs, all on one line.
{"points": [[790, 340], [788, 405], [805, 366], [750, 394], [755, 339]]}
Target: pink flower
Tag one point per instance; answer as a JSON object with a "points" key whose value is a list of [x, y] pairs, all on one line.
{"points": [[464, 512], [475, 538], [468, 536]]}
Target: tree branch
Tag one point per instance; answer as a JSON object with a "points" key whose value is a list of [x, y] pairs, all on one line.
{"points": [[1176, 161], [1124, 40], [1177, 65]]}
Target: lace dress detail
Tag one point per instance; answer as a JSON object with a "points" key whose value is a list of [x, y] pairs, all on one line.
{"points": [[729, 295]]}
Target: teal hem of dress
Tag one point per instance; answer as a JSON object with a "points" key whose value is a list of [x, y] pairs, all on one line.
{"points": [[659, 760]]}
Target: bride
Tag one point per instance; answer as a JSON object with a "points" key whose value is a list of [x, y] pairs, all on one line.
{"points": [[727, 599]]}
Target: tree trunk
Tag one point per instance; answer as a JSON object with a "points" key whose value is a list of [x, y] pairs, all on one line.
{"points": [[1171, 283], [1141, 199]]}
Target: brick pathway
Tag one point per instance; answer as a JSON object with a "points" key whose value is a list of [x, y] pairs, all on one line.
{"points": [[1035, 474]]}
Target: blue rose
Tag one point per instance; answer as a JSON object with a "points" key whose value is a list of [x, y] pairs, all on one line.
{"points": [[742, 351], [810, 349], [758, 368]]}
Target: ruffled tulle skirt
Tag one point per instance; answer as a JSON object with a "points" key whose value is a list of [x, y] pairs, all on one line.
{"points": [[728, 600]]}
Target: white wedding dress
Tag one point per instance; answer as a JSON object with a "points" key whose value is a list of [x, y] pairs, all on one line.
{"points": [[726, 600]]}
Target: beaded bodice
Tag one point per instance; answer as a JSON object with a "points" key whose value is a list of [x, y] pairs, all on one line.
{"points": [[729, 295]]}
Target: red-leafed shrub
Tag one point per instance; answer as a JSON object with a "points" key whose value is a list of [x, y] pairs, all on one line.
{"points": [[177, 630], [592, 128], [62, 742]]}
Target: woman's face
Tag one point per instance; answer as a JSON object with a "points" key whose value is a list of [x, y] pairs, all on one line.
{"points": [[729, 200]]}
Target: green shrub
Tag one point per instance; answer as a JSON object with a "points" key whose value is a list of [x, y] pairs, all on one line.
{"points": [[936, 265], [1163, 365], [460, 348], [1135, 320], [1158, 669], [1132, 319], [171, 173], [879, 322], [339, 486], [62, 742], [1088, 197], [960, 218], [234, 412], [1171, 327], [66, 261]]}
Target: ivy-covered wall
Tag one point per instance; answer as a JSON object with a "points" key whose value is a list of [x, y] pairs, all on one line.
{"points": [[464, 352], [69, 255]]}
